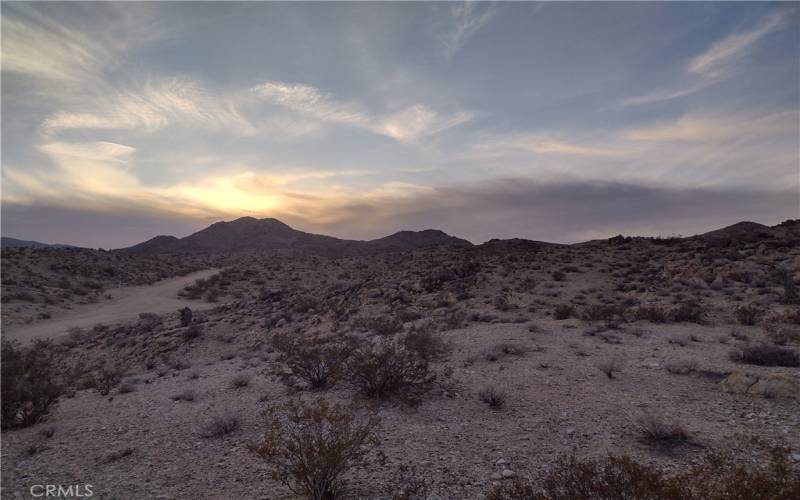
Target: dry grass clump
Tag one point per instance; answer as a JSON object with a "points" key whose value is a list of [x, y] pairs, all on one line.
{"points": [[748, 314], [610, 366], [717, 477], [563, 311], [30, 387], [311, 447], [682, 366], [657, 432], [426, 344], [221, 425], [240, 381], [766, 355], [493, 396], [187, 395]]}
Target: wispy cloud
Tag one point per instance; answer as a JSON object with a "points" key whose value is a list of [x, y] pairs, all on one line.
{"points": [[407, 125], [718, 62], [151, 107], [467, 19]]}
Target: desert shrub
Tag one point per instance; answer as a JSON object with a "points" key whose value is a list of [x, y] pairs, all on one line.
{"points": [[185, 316], [126, 388], [689, 311], [602, 312], [504, 349], [187, 395], [748, 314], [716, 477], [653, 314], [494, 397], [425, 343], [387, 368], [107, 378], [221, 425], [380, 325], [30, 385], [786, 279], [766, 355], [563, 311], [310, 448], [610, 366], [502, 302], [192, 332], [682, 366], [655, 431], [318, 361], [240, 381]]}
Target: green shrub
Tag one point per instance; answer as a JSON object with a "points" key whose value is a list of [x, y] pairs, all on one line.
{"points": [[310, 448], [30, 387]]}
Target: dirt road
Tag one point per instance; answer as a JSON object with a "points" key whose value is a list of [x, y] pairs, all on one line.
{"points": [[125, 304]]}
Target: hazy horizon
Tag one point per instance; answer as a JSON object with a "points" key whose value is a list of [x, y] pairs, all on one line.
{"points": [[558, 122]]}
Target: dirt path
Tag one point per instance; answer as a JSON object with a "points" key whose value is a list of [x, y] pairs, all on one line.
{"points": [[125, 304]]}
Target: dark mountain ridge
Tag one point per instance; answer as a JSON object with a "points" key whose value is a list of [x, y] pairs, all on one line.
{"points": [[248, 233]]}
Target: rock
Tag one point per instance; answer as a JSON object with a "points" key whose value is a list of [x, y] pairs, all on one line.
{"points": [[795, 456], [496, 476], [500, 461], [507, 473]]}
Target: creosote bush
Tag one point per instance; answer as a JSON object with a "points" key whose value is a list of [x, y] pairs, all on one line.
{"points": [[317, 361], [766, 355], [30, 387], [388, 369], [717, 477], [311, 447]]}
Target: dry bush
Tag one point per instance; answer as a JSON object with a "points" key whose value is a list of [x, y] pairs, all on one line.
{"points": [[494, 397], [688, 311], [657, 432], [682, 366], [187, 395], [30, 386], [563, 311], [310, 448], [426, 344], [748, 314], [653, 314], [504, 349], [766, 355], [240, 381], [610, 366], [317, 361], [379, 325], [717, 477], [602, 312], [221, 425], [107, 378], [387, 368]]}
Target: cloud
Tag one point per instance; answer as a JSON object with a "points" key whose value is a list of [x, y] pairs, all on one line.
{"points": [[151, 107], [560, 212], [505, 208], [718, 62], [467, 19], [407, 125]]}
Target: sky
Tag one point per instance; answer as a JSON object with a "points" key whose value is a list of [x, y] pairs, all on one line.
{"points": [[560, 122]]}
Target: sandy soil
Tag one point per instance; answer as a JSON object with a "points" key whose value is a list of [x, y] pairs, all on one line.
{"points": [[125, 304]]}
